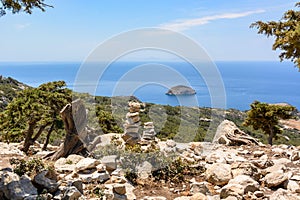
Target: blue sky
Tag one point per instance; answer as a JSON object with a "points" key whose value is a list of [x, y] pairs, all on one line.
{"points": [[72, 29]]}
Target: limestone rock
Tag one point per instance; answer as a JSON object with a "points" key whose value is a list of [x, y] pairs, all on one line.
{"points": [[144, 170], [14, 187], [198, 196], [235, 190], [43, 182], [67, 164], [218, 174], [292, 186], [248, 184], [94, 177], [276, 178], [245, 168], [201, 187], [263, 162], [110, 162], [282, 194], [86, 163], [154, 198], [71, 193]]}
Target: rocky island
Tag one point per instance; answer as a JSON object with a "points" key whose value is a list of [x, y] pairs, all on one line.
{"points": [[181, 90]]}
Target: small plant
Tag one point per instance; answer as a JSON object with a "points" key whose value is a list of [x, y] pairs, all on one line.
{"points": [[99, 192], [28, 167], [69, 162], [176, 171]]}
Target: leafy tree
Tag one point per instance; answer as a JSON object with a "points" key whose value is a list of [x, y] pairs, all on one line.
{"points": [[16, 6], [32, 111], [106, 121], [266, 117], [287, 34]]}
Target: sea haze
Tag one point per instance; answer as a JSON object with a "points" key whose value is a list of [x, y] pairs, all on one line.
{"points": [[244, 82]]}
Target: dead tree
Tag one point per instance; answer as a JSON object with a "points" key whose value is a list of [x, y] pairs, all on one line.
{"points": [[74, 118]]}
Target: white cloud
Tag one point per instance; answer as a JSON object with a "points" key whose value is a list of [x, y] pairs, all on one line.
{"points": [[22, 26], [185, 24]]}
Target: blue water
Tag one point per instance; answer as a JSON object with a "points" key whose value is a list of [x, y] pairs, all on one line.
{"points": [[244, 82]]}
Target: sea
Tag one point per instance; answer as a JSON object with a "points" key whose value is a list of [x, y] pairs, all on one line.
{"points": [[223, 84]]}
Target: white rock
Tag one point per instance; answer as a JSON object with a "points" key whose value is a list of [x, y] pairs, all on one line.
{"points": [[154, 198], [235, 190], [282, 194], [201, 187], [248, 184], [198, 196], [281, 161], [71, 193], [86, 163], [292, 186], [110, 162], [274, 179], [245, 168], [218, 174], [94, 177], [144, 170]]}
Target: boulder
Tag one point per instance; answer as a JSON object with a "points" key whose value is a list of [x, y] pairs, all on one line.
{"points": [[154, 198], [71, 193], [14, 187], [119, 189], [201, 187], [94, 177], [86, 163], [144, 170], [292, 186], [248, 184], [42, 182], [245, 168], [198, 196], [229, 134], [282, 194], [218, 174], [235, 190], [67, 164], [181, 90], [274, 179], [110, 162]]}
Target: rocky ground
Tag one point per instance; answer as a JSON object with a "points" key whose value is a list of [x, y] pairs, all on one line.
{"points": [[235, 172]]}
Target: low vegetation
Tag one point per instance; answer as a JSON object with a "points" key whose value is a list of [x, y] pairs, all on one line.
{"points": [[37, 110]]}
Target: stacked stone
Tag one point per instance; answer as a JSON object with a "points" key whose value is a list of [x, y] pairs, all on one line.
{"points": [[132, 124], [149, 132]]}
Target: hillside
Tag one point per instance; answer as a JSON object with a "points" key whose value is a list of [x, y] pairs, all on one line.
{"points": [[8, 90], [182, 124]]}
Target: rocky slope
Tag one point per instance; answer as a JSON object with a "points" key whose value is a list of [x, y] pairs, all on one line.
{"points": [[8, 90], [252, 171]]}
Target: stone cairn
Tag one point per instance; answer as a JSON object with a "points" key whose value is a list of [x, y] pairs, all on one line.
{"points": [[149, 132], [132, 125]]}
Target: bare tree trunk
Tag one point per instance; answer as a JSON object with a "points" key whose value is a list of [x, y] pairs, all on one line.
{"points": [[74, 118], [271, 135], [48, 136], [29, 134]]}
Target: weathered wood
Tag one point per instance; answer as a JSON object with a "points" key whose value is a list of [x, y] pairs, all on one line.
{"points": [[228, 133], [74, 118]]}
